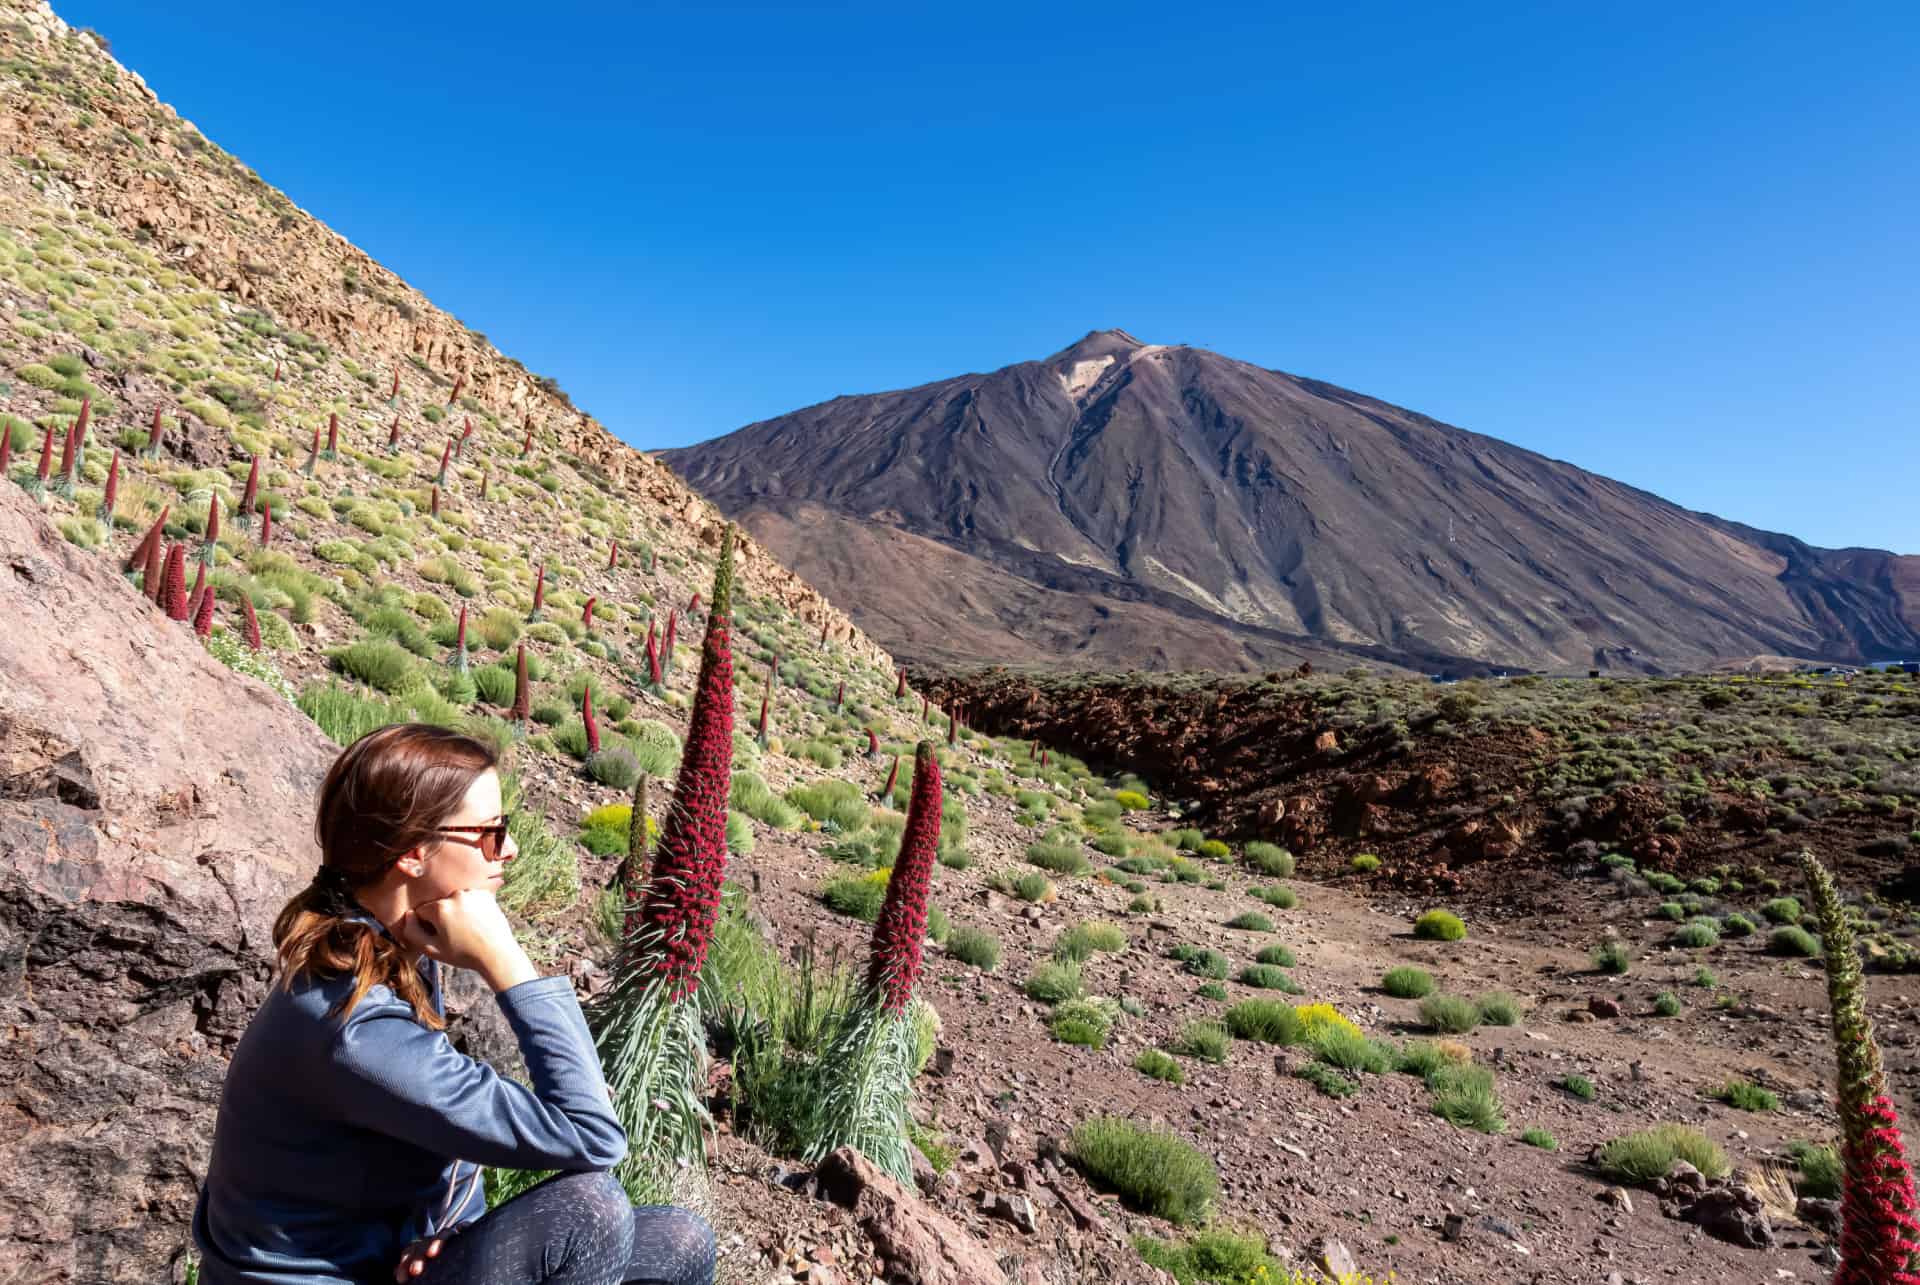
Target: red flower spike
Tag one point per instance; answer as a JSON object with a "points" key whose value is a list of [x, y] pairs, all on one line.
{"points": [[213, 519], [46, 456], [901, 931], [840, 696], [923, 709], [393, 435], [653, 657], [951, 726], [693, 605], [690, 863], [666, 646], [1879, 1237], [586, 717], [395, 390], [434, 510], [252, 622], [66, 448], [203, 614], [522, 693], [613, 554], [446, 453], [873, 743], [173, 583], [333, 434], [266, 521], [760, 729], [484, 479], [540, 587], [86, 413], [900, 688], [586, 617], [526, 447], [154, 576], [823, 632], [460, 642], [137, 560], [112, 492], [153, 435], [251, 494], [6, 446], [459, 382], [276, 372]]}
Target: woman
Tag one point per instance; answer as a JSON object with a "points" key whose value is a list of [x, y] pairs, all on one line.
{"points": [[351, 1134]]}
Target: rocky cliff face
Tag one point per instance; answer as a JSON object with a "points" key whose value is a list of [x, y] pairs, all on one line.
{"points": [[155, 813], [1129, 505]]}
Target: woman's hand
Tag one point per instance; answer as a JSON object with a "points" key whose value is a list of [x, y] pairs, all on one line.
{"points": [[413, 1259], [467, 929]]}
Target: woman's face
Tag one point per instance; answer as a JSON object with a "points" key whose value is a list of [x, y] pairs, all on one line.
{"points": [[455, 862]]}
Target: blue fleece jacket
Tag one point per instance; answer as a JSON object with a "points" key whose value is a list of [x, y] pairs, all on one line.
{"points": [[337, 1145]]}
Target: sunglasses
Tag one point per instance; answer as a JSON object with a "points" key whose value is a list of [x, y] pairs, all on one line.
{"points": [[490, 839]]}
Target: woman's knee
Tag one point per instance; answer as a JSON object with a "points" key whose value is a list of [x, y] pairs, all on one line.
{"points": [[672, 1245], [596, 1200]]}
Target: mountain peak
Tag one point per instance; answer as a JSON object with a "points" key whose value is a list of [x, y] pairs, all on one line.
{"points": [[1096, 344]]}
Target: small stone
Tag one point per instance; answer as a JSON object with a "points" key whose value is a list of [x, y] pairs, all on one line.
{"points": [[1601, 1006]]}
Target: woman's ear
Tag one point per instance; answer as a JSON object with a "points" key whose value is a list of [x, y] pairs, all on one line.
{"points": [[413, 862]]}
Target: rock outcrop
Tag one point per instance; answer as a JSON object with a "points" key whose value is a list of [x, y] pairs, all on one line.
{"points": [[155, 813]]}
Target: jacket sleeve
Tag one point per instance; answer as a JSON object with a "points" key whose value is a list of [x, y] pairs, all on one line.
{"points": [[401, 1078]]}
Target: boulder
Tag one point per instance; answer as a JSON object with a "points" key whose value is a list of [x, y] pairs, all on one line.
{"points": [[155, 814], [922, 1244]]}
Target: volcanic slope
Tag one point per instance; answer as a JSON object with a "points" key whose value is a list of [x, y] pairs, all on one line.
{"points": [[1130, 505]]}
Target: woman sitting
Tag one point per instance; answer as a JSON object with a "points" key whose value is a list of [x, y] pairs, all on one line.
{"points": [[351, 1135]]}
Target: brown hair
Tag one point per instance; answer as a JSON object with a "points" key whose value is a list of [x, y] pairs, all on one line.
{"points": [[382, 798]]}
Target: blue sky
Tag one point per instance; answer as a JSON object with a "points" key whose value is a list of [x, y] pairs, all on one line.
{"points": [[1674, 244]]}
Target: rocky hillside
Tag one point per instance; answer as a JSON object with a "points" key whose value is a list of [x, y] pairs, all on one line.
{"points": [[1127, 505]]}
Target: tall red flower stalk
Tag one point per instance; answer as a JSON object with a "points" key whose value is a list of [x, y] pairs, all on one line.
{"points": [[266, 521], [137, 560], [111, 495], [252, 622], [276, 372], [459, 383], [203, 614], [212, 537], [1043, 758], [586, 718], [38, 486], [666, 644], [6, 446], [586, 616], [823, 632], [394, 391], [526, 446], [873, 743], [333, 435], [923, 709], [460, 446], [683, 895], [393, 436], [65, 487], [951, 728], [433, 501], [459, 657], [250, 494], [154, 575], [153, 436], [484, 479], [313, 454], [901, 931], [900, 688], [446, 453], [839, 695], [693, 605], [522, 693], [199, 588], [893, 775], [1879, 1234], [173, 583], [613, 553], [653, 659], [539, 593]]}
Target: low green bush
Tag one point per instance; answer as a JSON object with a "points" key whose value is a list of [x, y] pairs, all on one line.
{"points": [[1439, 925], [1151, 1170], [1268, 1021], [1407, 982], [1208, 1041], [1449, 1014], [1157, 1065], [1269, 859], [974, 946], [1649, 1154]]}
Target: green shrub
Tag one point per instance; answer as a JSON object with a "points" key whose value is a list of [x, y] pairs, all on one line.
{"points": [[1746, 1096], [1449, 1014], [377, 662], [1366, 863], [1033, 887], [1214, 850], [1407, 983], [1672, 910], [1649, 1154], [1269, 859], [1086, 938], [739, 834], [1279, 896], [1498, 1008], [1059, 858], [1188, 840], [1151, 1170], [751, 795], [860, 896], [657, 748], [1268, 1021], [1157, 1065], [1580, 1086], [974, 946], [1278, 956], [1202, 962], [1612, 957], [1737, 926], [1348, 1049], [1782, 910], [1697, 933], [1540, 1138], [1251, 921], [1131, 800], [614, 766], [841, 805], [1081, 1021], [1820, 1170], [1207, 1041], [1327, 1080], [1268, 977], [1054, 981], [1439, 925], [1464, 1097], [1666, 1004], [1794, 941], [1211, 990], [495, 685]]}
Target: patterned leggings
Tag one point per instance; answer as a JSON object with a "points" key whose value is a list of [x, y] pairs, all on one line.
{"points": [[577, 1229]]}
